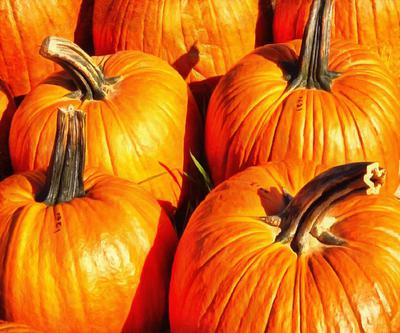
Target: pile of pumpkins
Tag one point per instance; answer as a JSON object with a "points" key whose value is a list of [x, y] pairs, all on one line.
{"points": [[118, 115]]}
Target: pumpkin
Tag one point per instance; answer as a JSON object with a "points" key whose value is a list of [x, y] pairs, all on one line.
{"points": [[82, 252], [375, 24], [24, 25], [254, 259], [142, 119], [10, 327], [7, 109], [200, 38], [305, 100]]}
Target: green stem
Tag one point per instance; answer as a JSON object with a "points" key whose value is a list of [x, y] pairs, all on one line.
{"points": [[305, 212], [313, 70], [88, 77], [64, 180]]}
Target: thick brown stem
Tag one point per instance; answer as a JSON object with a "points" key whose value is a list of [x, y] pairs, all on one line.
{"points": [[89, 78], [303, 214], [313, 70], [65, 174]]}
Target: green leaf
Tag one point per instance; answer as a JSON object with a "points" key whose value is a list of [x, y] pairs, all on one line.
{"points": [[207, 180]]}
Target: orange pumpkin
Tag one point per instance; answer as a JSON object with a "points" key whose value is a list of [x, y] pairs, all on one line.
{"points": [[375, 24], [24, 25], [7, 109], [82, 252], [200, 38], [10, 327], [284, 102], [252, 259], [142, 119]]}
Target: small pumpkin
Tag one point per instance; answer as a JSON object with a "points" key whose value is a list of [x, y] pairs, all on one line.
{"points": [[82, 252], [375, 24], [10, 327], [142, 119], [200, 38], [24, 25], [255, 259], [305, 100], [7, 109]]}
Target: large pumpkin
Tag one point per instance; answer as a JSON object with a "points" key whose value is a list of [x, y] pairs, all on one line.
{"points": [[142, 119], [24, 24], [82, 252], [200, 38], [10, 327], [375, 24], [7, 109], [252, 259], [282, 102]]}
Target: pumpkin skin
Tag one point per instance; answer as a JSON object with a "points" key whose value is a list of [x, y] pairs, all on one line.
{"points": [[10, 327], [143, 130], [93, 248], [229, 275], [24, 26], [375, 24], [200, 38], [255, 117], [7, 109]]}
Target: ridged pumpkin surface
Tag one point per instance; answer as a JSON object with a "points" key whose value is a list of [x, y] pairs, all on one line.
{"points": [[252, 119], [142, 130], [200, 38], [95, 264], [24, 25], [230, 275]]}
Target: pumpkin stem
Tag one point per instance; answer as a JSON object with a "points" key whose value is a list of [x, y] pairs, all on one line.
{"points": [[89, 78], [305, 212], [65, 174], [314, 55]]}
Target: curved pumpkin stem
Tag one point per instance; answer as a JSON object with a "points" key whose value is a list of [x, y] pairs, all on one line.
{"points": [[89, 78], [314, 55], [302, 216], [65, 174]]}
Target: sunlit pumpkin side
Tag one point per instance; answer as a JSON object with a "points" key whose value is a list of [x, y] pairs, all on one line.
{"points": [[82, 251], [285, 248], [142, 119], [200, 38], [24, 24], [305, 100]]}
